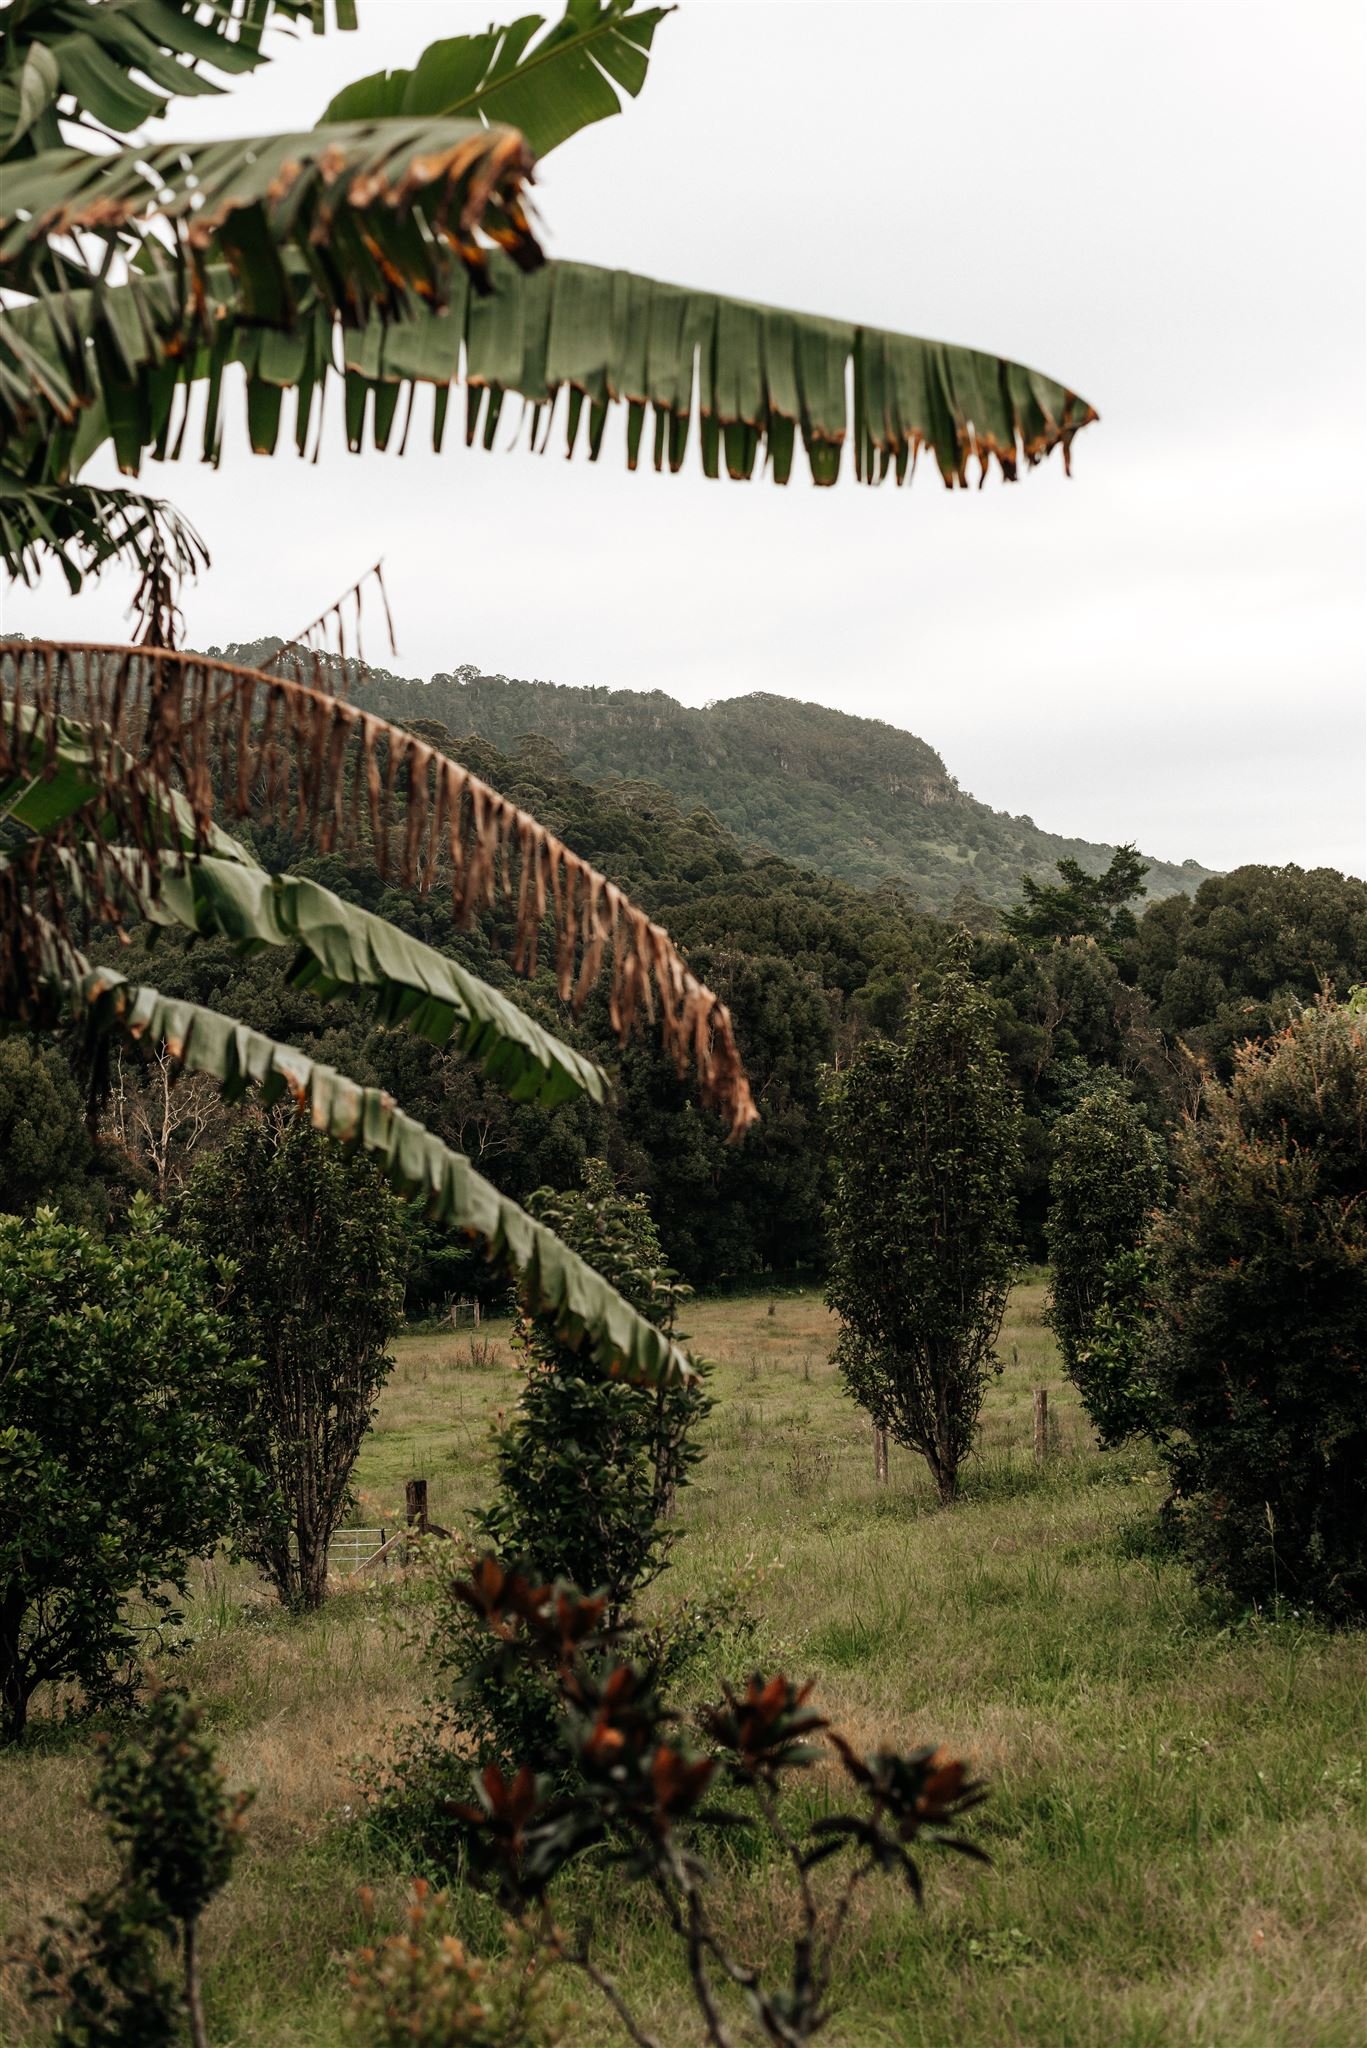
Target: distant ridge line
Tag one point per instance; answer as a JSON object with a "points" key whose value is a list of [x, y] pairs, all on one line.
{"points": [[849, 796]]}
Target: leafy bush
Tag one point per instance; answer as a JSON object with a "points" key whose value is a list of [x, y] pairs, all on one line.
{"points": [[176, 1831], [589, 1466], [117, 1389], [316, 1293], [1108, 1177], [588, 1469], [1261, 1361], [1115, 1369], [422, 1989], [922, 1226]]}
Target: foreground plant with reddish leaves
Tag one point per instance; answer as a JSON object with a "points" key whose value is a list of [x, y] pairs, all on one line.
{"points": [[645, 1792]]}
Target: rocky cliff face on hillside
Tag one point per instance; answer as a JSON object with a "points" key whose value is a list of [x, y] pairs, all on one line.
{"points": [[852, 797]]}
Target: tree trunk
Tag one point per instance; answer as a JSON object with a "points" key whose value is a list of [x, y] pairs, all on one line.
{"points": [[194, 2001], [944, 1470], [313, 1569], [14, 1679], [880, 1454]]}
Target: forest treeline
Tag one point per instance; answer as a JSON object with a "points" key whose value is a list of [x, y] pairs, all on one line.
{"points": [[1082, 978], [853, 797]]}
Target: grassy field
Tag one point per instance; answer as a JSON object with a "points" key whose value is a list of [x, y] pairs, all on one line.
{"points": [[1178, 1821]]}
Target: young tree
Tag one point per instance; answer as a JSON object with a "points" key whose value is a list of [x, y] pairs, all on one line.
{"points": [[1108, 1177], [117, 1383], [176, 1831], [589, 1466], [643, 1787], [922, 1226], [1079, 905], [1262, 1341], [588, 1469], [317, 1292]]}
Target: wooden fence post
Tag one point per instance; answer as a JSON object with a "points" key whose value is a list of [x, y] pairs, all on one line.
{"points": [[1041, 1424], [415, 1505], [880, 1454]]}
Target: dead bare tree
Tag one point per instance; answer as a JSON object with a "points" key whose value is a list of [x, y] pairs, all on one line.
{"points": [[160, 1116]]}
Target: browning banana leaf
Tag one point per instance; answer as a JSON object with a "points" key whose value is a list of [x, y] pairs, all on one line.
{"points": [[370, 210], [111, 756], [554, 1279], [549, 89]]}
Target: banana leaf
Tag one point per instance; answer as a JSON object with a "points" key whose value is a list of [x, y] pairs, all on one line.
{"points": [[549, 88], [83, 526], [64, 60], [554, 1280], [341, 946], [112, 753], [371, 211], [751, 381]]}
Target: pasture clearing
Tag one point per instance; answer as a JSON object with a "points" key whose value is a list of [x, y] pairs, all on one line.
{"points": [[1178, 1820]]}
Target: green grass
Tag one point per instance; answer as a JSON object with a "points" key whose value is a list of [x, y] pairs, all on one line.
{"points": [[1178, 1821]]}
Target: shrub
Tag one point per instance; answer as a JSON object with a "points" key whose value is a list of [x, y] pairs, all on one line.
{"points": [[117, 1387], [176, 1832], [317, 1292], [588, 1469], [589, 1466], [926, 1135], [1261, 1359], [421, 1988], [1108, 1177], [1115, 1369]]}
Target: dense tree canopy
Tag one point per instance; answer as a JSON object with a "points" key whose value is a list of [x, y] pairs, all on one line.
{"points": [[118, 1378], [809, 966], [925, 1134], [45, 1150], [1262, 1295], [1240, 957], [315, 1295]]}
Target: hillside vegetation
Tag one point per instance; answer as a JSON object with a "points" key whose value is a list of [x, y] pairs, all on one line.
{"points": [[852, 797]]}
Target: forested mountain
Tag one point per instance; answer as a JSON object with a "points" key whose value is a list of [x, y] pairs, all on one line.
{"points": [[851, 797]]}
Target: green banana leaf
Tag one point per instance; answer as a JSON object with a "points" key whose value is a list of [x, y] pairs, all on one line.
{"points": [[341, 946], [756, 379], [549, 89], [555, 1280], [64, 60]]}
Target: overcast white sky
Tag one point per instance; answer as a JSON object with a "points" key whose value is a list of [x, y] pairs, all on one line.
{"points": [[1161, 203]]}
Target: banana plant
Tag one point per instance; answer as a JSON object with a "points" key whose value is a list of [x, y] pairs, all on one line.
{"points": [[360, 249], [391, 246], [114, 766]]}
